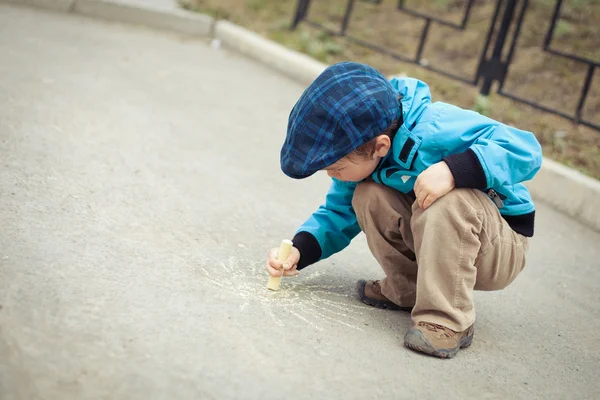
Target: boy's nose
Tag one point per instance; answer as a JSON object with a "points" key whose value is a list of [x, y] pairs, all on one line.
{"points": [[330, 173]]}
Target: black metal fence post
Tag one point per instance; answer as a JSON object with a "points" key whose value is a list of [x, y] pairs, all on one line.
{"points": [[584, 92], [494, 68], [424, 33], [513, 43], [346, 19], [300, 14], [553, 22]]}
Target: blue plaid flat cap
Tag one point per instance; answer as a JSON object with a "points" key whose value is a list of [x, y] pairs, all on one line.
{"points": [[345, 107]]}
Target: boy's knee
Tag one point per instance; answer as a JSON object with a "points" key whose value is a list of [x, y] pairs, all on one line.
{"points": [[452, 202], [371, 201], [365, 194], [458, 204]]}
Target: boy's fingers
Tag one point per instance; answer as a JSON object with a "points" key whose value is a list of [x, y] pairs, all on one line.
{"points": [[273, 267], [274, 264], [292, 272], [421, 197], [428, 201], [277, 272], [417, 184], [273, 272], [291, 261]]}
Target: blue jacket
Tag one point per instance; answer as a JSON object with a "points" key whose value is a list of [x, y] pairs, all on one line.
{"points": [[481, 153]]}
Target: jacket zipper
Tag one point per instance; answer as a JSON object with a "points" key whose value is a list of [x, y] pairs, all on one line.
{"points": [[496, 198]]}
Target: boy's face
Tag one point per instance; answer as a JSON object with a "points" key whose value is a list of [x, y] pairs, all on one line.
{"points": [[349, 169], [354, 168]]}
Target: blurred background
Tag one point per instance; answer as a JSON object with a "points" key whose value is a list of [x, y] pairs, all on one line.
{"points": [[550, 52]]}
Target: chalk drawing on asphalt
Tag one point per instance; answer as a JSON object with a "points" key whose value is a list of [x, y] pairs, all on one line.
{"points": [[308, 299]]}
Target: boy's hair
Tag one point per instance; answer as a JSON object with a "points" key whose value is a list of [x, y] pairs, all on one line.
{"points": [[367, 150]]}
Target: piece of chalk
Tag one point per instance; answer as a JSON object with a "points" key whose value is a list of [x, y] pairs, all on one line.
{"points": [[284, 251]]}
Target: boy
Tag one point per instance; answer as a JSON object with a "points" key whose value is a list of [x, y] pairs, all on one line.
{"points": [[435, 188]]}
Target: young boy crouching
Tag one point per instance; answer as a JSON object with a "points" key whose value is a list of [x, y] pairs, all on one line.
{"points": [[435, 188]]}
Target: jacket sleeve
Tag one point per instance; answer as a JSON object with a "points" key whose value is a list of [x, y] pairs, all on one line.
{"points": [[484, 153], [329, 229]]}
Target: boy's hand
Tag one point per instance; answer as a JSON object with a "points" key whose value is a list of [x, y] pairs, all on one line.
{"points": [[290, 265], [433, 183]]}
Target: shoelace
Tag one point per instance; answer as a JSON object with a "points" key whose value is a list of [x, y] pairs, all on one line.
{"points": [[437, 329], [376, 287]]}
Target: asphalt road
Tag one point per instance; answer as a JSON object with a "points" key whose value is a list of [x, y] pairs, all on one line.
{"points": [[139, 193]]}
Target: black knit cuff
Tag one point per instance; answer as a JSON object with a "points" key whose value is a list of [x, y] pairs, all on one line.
{"points": [[522, 224], [309, 248], [467, 170]]}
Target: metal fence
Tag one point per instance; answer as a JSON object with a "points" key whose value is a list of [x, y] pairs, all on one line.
{"points": [[491, 67]]}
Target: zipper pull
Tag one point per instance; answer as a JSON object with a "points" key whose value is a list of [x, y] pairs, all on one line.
{"points": [[496, 198]]}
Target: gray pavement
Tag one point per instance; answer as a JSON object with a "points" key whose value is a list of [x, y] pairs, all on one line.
{"points": [[139, 193]]}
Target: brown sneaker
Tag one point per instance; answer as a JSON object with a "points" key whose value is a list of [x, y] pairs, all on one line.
{"points": [[369, 293], [437, 340]]}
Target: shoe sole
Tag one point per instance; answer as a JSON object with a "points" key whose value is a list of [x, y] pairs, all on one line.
{"points": [[415, 340], [386, 305]]}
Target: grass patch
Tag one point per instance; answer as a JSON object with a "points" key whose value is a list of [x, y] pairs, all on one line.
{"points": [[482, 105]]}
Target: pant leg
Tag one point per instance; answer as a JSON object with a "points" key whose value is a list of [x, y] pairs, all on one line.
{"points": [[384, 216], [462, 243]]}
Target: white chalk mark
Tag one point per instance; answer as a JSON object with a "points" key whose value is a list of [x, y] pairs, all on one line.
{"points": [[339, 314], [205, 271], [312, 276], [225, 267], [276, 320], [304, 319], [342, 316], [342, 306], [233, 265], [214, 282], [327, 318], [317, 291], [305, 300]]}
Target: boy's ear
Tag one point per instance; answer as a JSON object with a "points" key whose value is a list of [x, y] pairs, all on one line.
{"points": [[383, 144]]}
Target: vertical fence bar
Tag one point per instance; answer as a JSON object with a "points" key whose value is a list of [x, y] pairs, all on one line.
{"points": [[513, 43], [496, 59], [487, 42], [550, 32], [584, 92], [424, 33], [346, 19], [467, 13], [301, 11]]}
